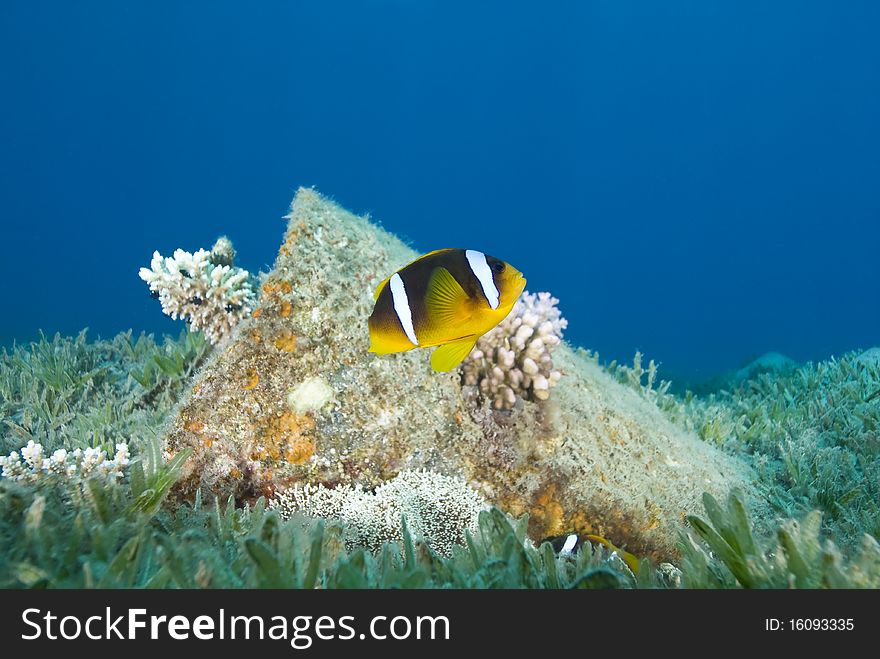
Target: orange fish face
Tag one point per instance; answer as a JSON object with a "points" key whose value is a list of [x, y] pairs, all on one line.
{"points": [[511, 285]]}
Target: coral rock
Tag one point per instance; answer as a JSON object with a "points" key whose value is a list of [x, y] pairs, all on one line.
{"points": [[595, 457], [771, 362]]}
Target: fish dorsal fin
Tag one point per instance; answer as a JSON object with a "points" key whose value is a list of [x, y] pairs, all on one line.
{"points": [[449, 355], [446, 302], [379, 288], [432, 252], [384, 282]]}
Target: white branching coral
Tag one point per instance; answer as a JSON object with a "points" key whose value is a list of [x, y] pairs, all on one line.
{"points": [[29, 465], [514, 359], [438, 509], [203, 288]]}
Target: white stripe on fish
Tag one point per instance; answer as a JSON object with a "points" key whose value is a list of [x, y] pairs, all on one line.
{"points": [[480, 268], [570, 542], [401, 307]]}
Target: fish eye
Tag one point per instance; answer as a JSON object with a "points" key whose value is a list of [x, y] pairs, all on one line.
{"points": [[498, 267]]}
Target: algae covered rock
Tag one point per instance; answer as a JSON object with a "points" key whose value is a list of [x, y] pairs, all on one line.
{"points": [[595, 457], [769, 362], [870, 357]]}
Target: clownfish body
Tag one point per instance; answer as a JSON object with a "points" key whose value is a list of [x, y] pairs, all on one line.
{"points": [[447, 298], [570, 544]]}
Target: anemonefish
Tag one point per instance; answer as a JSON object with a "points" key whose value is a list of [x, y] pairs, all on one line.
{"points": [[447, 298], [567, 545]]}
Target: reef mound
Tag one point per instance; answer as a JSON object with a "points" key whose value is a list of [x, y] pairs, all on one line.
{"points": [[770, 362], [294, 397]]}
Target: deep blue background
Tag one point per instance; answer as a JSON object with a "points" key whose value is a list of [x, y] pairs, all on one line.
{"points": [[695, 179]]}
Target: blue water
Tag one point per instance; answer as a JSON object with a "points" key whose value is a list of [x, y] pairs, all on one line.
{"points": [[698, 180]]}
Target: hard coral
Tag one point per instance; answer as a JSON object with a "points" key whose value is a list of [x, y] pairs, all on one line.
{"points": [[514, 359], [29, 464], [438, 509], [203, 288]]}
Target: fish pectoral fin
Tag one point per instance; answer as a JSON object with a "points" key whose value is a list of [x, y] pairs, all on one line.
{"points": [[446, 301], [449, 355]]}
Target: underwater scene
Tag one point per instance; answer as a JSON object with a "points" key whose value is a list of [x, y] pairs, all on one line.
{"points": [[428, 295]]}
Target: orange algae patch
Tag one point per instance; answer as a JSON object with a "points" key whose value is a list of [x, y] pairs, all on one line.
{"points": [[653, 518], [550, 511], [299, 451], [287, 437], [271, 287], [278, 288], [580, 523], [514, 507], [194, 425], [286, 342], [252, 379], [257, 312], [290, 239]]}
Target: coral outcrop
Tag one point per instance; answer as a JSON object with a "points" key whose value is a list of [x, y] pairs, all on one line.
{"points": [[870, 357], [204, 288], [596, 457], [770, 362]]}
